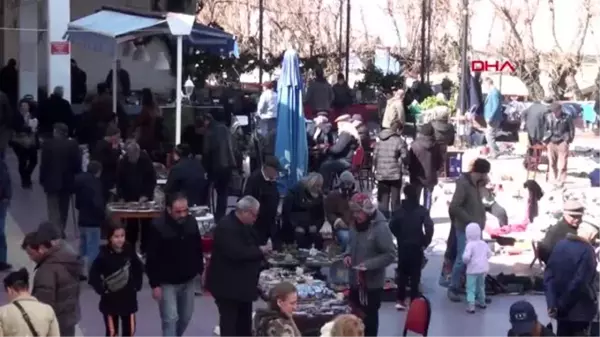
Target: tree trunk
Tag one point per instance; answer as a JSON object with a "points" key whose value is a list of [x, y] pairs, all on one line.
{"points": [[528, 71]]}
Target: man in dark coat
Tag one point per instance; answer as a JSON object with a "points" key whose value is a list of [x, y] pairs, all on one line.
{"points": [[262, 185], [56, 280], [9, 82], [123, 81], [78, 83], [571, 282], [5, 196], [175, 257], [187, 176], [136, 180], [107, 152], [219, 161], [572, 216], [235, 265], [6, 123], [61, 162], [425, 160], [535, 120], [465, 207], [56, 109], [390, 156]]}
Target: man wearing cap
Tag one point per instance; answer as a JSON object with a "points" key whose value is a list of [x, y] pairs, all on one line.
{"points": [[370, 250], [571, 282], [262, 185], [337, 207], [61, 162], [524, 321], [572, 214], [341, 153], [560, 132], [465, 207]]}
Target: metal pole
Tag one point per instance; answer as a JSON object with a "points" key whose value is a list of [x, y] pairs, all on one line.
{"points": [[341, 37], [178, 93], [464, 62], [423, 42], [429, 38], [115, 78], [261, 12], [348, 11]]}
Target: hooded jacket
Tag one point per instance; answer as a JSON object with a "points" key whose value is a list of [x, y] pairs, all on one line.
{"points": [[571, 280], [56, 283], [466, 205], [477, 252], [269, 322], [425, 159], [108, 262], [373, 247], [390, 156], [412, 226]]}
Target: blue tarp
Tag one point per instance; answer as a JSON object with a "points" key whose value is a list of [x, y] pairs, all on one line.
{"points": [[291, 146]]}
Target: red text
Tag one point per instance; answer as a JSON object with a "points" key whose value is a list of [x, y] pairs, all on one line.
{"points": [[493, 66]]}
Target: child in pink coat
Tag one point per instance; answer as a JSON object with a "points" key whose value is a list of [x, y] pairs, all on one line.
{"points": [[476, 256]]}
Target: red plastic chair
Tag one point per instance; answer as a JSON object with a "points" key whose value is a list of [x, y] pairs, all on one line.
{"points": [[358, 159], [418, 317]]}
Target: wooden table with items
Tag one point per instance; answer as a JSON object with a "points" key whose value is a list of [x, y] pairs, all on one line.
{"points": [[119, 211]]}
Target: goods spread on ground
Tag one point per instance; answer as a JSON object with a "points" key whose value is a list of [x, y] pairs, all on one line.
{"points": [[290, 256], [134, 206]]}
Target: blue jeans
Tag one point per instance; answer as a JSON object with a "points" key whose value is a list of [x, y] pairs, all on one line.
{"points": [[476, 288], [343, 236], [459, 267], [89, 243], [3, 212], [176, 307]]}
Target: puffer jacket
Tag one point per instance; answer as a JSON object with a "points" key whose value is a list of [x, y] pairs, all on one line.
{"points": [[571, 280], [444, 132], [390, 155], [477, 252], [268, 322], [41, 315], [56, 283]]}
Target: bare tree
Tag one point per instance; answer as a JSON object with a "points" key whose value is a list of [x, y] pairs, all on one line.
{"points": [[564, 61]]}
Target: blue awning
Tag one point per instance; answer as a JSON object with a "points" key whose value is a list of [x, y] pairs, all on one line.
{"points": [[213, 40]]}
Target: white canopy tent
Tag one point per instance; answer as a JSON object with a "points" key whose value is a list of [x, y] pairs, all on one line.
{"points": [[105, 29]]}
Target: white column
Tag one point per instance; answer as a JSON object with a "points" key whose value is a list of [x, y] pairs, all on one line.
{"points": [[59, 58], [28, 48]]}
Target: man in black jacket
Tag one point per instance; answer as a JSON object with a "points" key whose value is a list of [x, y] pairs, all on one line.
{"points": [[61, 162], [219, 161], [90, 204], [465, 207], [390, 157], [107, 152], [560, 133], [425, 160], [54, 110], [187, 176], [234, 268], [136, 180], [174, 259], [262, 185]]}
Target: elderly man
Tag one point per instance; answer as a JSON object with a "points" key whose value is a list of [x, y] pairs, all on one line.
{"points": [[234, 268], [559, 134], [394, 110], [568, 224], [444, 130], [370, 250], [136, 180], [61, 162], [571, 282], [54, 110], [337, 207], [174, 259]]}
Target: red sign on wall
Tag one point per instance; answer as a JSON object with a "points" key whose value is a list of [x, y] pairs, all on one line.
{"points": [[60, 48]]}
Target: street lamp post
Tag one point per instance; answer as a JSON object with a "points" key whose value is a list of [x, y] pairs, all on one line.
{"points": [[341, 37], [465, 71], [348, 11], [261, 12]]}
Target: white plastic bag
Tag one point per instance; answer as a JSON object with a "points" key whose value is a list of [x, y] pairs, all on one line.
{"points": [[326, 229]]}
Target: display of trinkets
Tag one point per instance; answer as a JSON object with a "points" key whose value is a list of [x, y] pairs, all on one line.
{"points": [[331, 307], [309, 288]]}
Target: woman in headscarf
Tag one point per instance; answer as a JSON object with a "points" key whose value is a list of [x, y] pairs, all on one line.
{"points": [[303, 213], [341, 153], [277, 319]]}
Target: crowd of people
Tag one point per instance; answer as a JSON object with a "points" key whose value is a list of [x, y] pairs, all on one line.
{"points": [[122, 168]]}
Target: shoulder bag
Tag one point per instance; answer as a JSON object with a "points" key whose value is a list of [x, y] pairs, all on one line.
{"points": [[34, 332]]}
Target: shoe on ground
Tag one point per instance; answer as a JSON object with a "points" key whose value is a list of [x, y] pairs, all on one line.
{"points": [[400, 306], [481, 306], [488, 300], [453, 296], [5, 266], [471, 308]]}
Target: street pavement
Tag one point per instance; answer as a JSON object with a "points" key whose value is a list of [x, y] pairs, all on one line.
{"points": [[28, 209]]}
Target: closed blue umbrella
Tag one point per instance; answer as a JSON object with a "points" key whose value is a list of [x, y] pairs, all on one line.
{"points": [[291, 146]]}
